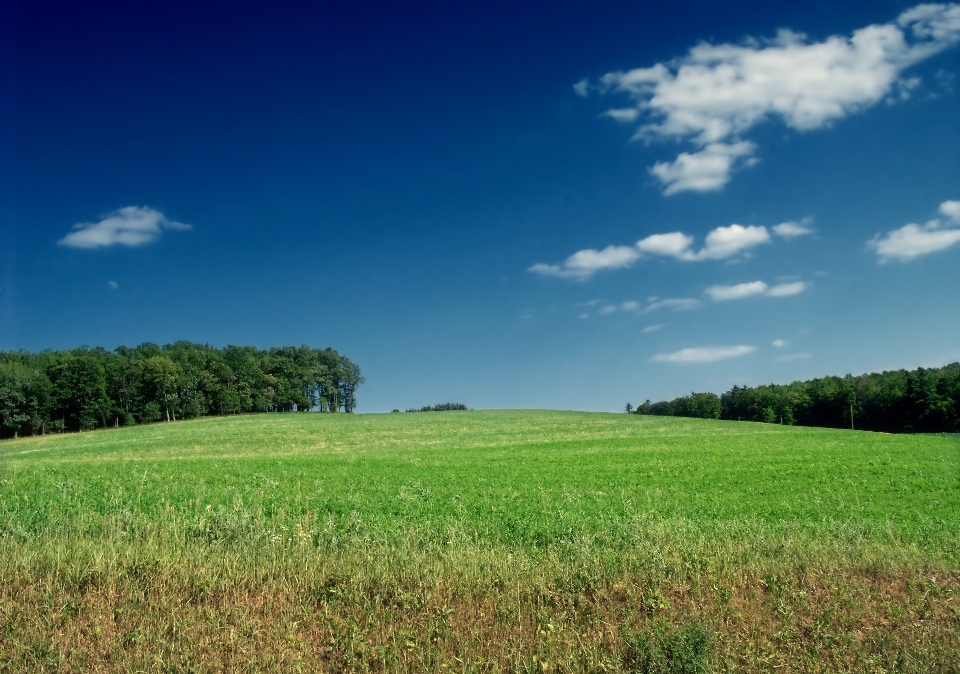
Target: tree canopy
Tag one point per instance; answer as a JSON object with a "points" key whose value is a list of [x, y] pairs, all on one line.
{"points": [[918, 401], [86, 388]]}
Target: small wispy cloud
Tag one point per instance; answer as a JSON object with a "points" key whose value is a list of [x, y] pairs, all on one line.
{"points": [[913, 240], [736, 292], [717, 93], [652, 328], [705, 354], [113, 285], [676, 304], [739, 291], [131, 226], [780, 343]]}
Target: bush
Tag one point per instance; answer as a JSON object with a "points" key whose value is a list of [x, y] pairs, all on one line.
{"points": [[668, 649]]}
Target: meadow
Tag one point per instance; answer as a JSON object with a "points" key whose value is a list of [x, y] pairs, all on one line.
{"points": [[479, 541]]}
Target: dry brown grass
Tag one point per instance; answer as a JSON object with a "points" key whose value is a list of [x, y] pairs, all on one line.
{"points": [[114, 607]]}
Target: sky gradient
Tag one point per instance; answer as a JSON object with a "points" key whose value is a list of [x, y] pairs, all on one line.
{"points": [[563, 206]]}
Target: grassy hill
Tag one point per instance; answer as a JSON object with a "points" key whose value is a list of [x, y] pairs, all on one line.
{"points": [[479, 541]]}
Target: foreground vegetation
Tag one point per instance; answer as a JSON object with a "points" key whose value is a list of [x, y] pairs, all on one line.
{"points": [[898, 401], [479, 541]]}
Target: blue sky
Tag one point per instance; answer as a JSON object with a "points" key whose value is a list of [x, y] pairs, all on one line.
{"points": [[563, 205]]}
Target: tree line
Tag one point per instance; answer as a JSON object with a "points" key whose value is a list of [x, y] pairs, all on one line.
{"points": [[85, 388], [919, 401], [442, 407]]}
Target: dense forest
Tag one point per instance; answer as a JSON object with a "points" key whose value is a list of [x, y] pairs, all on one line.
{"points": [[920, 401], [82, 389]]}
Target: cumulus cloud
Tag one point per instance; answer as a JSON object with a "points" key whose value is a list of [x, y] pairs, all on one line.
{"points": [[715, 94], [951, 209], [913, 240], [585, 263], [706, 170], [791, 230], [131, 226], [705, 354], [720, 243]]}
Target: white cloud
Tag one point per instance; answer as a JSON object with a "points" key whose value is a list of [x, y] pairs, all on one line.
{"points": [[715, 94], [585, 263], [113, 285], [674, 244], [582, 88], [780, 343], [791, 230], [630, 305], [706, 170], [609, 309], [652, 328], [131, 226], [722, 242], [913, 240], [706, 354], [736, 292], [951, 209]]}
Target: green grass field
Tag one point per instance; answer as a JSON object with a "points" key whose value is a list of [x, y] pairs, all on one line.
{"points": [[479, 541]]}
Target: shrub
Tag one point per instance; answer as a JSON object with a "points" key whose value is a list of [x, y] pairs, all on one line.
{"points": [[667, 649]]}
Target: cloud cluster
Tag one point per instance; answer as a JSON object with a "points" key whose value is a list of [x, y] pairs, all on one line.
{"points": [[721, 243], [705, 354], [715, 94], [131, 226], [913, 240]]}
